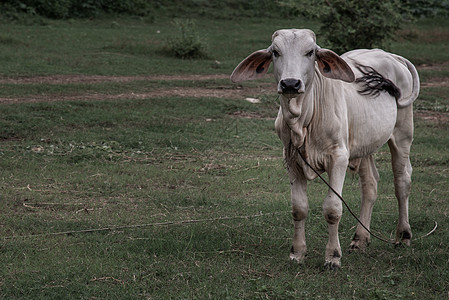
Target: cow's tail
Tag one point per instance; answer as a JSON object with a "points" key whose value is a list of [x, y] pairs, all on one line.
{"points": [[406, 100], [373, 83]]}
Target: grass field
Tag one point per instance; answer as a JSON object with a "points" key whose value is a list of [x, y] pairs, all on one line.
{"points": [[124, 176]]}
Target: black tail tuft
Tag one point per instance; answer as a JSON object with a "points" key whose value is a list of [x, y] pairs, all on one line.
{"points": [[374, 83]]}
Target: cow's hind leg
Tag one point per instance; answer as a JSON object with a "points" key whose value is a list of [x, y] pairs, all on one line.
{"points": [[368, 185], [400, 144]]}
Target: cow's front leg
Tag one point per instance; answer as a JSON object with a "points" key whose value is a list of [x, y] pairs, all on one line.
{"points": [[332, 210], [300, 208]]}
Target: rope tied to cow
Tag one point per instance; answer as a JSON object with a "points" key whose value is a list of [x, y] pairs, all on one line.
{"points": [[166, 223], [194, 221], [385, 240]]}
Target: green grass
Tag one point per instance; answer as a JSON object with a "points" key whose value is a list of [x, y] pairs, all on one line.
{"points": [[123, 165], [434, 99], [127, 163], [127, 46], [124, 46]]}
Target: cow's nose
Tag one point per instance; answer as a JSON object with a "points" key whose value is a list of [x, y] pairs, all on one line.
{"points": [[290, 86]]}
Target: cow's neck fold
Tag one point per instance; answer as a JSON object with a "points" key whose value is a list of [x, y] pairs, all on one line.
{"points": [[297, 113]]}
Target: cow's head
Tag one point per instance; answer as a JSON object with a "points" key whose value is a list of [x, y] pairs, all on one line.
{"points": [[293, 53]]}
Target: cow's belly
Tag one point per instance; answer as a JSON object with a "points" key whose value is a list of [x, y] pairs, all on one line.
{"points": [[371, 124]]}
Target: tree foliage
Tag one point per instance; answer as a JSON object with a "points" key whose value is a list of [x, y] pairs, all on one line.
{"points": [[427, 8], [62, 9], [353, 24], [358, 24]]}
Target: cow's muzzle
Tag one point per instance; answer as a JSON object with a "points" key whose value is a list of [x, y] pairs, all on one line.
{"points": [[290, 86]]}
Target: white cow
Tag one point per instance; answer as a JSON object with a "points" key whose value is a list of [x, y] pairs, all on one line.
{"points": [[337, 111]]}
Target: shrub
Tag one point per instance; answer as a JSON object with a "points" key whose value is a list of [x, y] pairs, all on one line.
{"points": [[62, 9], [188, 44], [360, 24], [427, 8], [57, 9], [86, 8], [130, 7], [352, 24]]}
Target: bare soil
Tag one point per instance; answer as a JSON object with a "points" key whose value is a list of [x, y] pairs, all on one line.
{"points": [[68, 79], [228, 91], [238, 93], [433, 116], [437, 67], [436, 82]]}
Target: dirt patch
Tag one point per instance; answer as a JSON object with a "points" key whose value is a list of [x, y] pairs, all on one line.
{"points": [[74, 78], [437, 67], [70, 79], [249, 115], [436, 82], [194, 92], [433, 116], [227, 91]]}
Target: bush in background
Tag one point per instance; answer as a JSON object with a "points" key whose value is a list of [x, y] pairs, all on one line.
{"points": [[427, 8], [345, 24], [130, 7], [62, 9], [188, 44], [352, 24], [57, 9]]}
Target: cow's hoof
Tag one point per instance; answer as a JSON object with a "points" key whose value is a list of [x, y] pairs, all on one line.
{"points": [[359, 242], [332, 265], [403, 242], [297, 257], [403, 238], [358, 245], [333, 259]]}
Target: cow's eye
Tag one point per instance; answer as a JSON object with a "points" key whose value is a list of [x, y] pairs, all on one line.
{"points": [[275, 53], [310, 53]]}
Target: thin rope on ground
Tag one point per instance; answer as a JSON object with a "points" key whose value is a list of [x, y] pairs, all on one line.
{"points": [[167, 223], [429, 233]]}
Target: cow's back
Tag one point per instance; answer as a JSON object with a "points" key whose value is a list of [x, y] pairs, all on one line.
{"points": [[391, 66]]}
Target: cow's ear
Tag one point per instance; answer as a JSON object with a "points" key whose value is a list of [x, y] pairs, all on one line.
{"points": [[253, 67], [333, 66]]}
